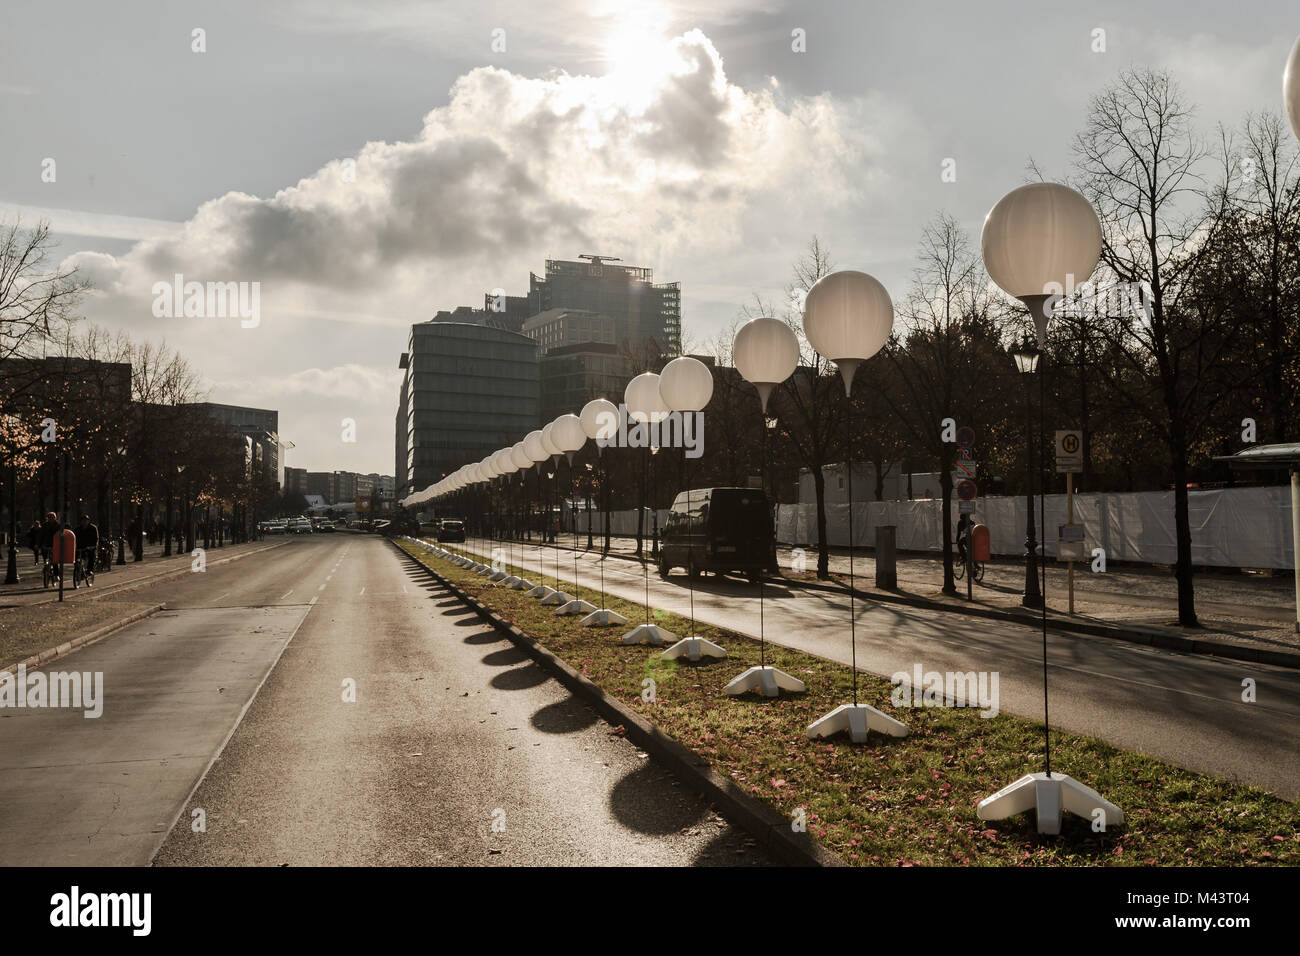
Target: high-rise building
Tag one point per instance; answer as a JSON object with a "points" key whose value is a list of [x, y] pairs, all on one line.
{"points": [[262, 427], [641, 310], [468, 390], [573, 375], [295, 481]]}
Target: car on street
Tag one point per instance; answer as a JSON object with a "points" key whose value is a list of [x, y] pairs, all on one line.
{"points": [[300, 526], [451, 530]]}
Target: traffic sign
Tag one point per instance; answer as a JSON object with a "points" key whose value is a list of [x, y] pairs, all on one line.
{"points": [[966, 490], [1069, 451], [965, 436], [965, 507]]}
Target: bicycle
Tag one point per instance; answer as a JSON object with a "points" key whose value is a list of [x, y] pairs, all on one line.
{"points": [[976, 568], [82, 571]]}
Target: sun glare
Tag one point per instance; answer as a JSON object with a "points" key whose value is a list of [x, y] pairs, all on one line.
{"points": [[638, 53]]}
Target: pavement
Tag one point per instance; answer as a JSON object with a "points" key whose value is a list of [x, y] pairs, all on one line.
{"points": [[30, 591], [1184, 708], [1240, 613], [456, 749]]}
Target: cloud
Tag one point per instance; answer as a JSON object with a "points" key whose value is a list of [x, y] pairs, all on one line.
{"points": [[664, 164]]}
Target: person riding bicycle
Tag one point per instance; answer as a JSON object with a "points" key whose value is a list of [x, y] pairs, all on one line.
{"points": [[88, 543], [963, 534], [49, 528]]}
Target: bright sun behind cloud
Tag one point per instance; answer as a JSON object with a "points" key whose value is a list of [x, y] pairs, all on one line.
{"points": [[638, 51]]}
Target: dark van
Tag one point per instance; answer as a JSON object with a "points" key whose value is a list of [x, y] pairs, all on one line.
{"points": [[724, 529]]}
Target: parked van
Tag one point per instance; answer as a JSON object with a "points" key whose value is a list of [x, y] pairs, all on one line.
{"points": [[724, 529]]}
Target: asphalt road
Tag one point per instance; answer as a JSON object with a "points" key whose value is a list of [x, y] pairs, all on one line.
{"points": [[1184, 708], [456, 750]]}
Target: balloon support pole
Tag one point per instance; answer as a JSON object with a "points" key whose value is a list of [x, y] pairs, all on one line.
{"points": [[1048, 796], [857, 719], [575, 607], [693, 648], [649, 634], [766, 680], [603, 618]]}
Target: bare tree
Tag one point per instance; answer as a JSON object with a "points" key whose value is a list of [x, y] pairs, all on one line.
{"points": [[1140, 164]]}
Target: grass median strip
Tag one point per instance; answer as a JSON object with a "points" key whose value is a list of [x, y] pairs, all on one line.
{"points": [[29, 629], [908, 801]]}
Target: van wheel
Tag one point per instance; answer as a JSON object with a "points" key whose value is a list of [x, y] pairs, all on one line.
{"points": [[753, 576]]}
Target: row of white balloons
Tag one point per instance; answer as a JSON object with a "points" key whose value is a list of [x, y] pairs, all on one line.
{"points": [[685, 385]]}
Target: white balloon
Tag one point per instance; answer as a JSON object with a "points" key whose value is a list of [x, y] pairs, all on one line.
{"points": [[567, 433], [1291, 87], [642, 398], [686, 384], [599, 418]]}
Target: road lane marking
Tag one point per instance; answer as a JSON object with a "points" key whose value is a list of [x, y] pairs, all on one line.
{"points": [[321, 588], [285, 594], [312, 601], [363, 591]]}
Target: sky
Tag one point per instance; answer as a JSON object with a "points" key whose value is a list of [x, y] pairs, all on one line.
{"points": [[367, 163]]}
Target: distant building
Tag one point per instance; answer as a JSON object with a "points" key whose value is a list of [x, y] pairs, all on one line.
{"points": [[320, 483], [468, 390], [641, 311], [261, 426], [558, 328], [572, 375], [295, 481]]}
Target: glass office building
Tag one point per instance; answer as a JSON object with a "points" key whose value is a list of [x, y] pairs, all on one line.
{"points": [[468, 390], [641, 311]]}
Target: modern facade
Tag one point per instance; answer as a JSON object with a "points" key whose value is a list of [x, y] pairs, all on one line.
{"points": [[468, 389], [557, 328], [261, 426], [572, 375], [641, 310]]}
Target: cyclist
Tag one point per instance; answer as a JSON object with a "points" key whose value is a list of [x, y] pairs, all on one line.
{"points": [[963, 533], [87, 548], [49, 528]]}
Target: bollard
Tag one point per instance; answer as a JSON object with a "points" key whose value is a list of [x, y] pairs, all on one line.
{"points": [[886, 557]]}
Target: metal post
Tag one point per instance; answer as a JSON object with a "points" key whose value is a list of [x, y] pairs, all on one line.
{"points": [[1032, 598], [1069, 511]]}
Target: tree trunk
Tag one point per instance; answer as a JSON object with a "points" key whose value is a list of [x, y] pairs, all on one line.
{"points": [[823, 555], [945, 488], [1183, 530]]}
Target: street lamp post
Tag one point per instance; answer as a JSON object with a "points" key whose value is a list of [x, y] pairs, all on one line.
{"points": [[599, 419], [766, 353], [646, 407], [686, 385], [848, 318], [1038, 240], [1026, 356]]}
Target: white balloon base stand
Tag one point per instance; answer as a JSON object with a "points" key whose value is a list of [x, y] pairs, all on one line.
{"points": [[510, 582], [556, 598], [603, 618], [522, 584], [857, 719], [649, 634], [540, 592], [693, 648], [575, 607], [766, 680], [497, 575], [1049, 796]]}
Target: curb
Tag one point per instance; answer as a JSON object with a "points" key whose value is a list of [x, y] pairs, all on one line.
{"points": [[148, 580], [51, 654], [1149, 638], [767, 825], [1171, 642]]}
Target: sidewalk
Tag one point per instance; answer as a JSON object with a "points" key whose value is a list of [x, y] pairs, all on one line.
{"points": [[28, 591], [1248, 616]]}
